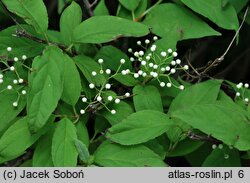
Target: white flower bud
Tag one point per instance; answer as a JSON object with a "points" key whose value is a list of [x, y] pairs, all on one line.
{"points": [[1, 81], [155, 66], [143, 62], [147, 41], [100, 61], [162, 84], [124, 72], [144, 74], [163, 54], [237, 94], [140, 72], [173, 71], [246, 85], [132, 59], [155, 75], [151, 64], [113, 111], [127, 94], [246, 100], [110, 98], [153, 48], [181, 87], [82, 111], [24, 57], [128, 71], [24, 92], [108, 71], [91, 86], [220, 146], [117, 101], [239, 85], [148, 57], [1, 76], [9, 49], [141, 53], [136, 75], [175, 54], [93, 73], [130, 50], [136, 54], [155, 38], [108, 86], [15, 81], [214, 146], [186, 67], [15, 104], [12, 68], [173, 63], [101, 71], [178, 61], [99, 98], [138, 43], [15, 59], [169, 85], [170, 50], [9, 87], [163, 69], [167, 68], [84, 99], [122, 61], [20, 80]]}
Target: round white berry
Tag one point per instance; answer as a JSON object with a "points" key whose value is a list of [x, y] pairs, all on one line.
{"points": [[170, 50], [117, 101], [91, 86], [237, 94], [15, 59], [167, 68], [100, 61], [84, 99], [155, 38], [93, 73], [175, 54], [124, 72], [136, 75], [130, 50], [15, 104], [108, 86], [173, 63], [99, 98], [169, 85], [127, 94], [108, 71], [12, 68], [151, 64], [9, 87], [9, 49], [141, 53], [147, 41], [143, 62], [173, 71], [153, 48], [132, 59], [140, 72], [162, 84], [24, 57], [110, 98], [186, 67], [82, 111], [24, 92], [246, 85], [122, 61], [246, 100], [148, 57], [178, 61], [15, 81], [163, 54], [155, 66], [113, 111], [181, 87], [20, 80], [138, 42]]}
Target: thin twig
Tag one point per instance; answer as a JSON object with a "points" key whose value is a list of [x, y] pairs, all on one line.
{"points": [[88, 7], [93, 4]]}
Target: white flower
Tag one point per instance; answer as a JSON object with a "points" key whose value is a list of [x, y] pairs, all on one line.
{"points": [[144, 74], [151, 64], [169, 85], [108, 86], [24, 57], [136, 54], [175, 54], [239, 85], [9, 87], [12, 68], [108, 71], [170, 50], [122, 61], [127, 94], [136, 75], [9, 49], [24, 92], [178, 61], [15, 59], [155, 38], [173, 63], [124, 72], [138, 43], [20, 80], [110, 98], [155, 66], [140, 72], [99, 98], [143, 62], [162, 84], [147, 41], [186, 67], [1, 76], [163, 54], [148, 57], [141, 53], [100, 61], [15, 81], [167, 68], [117, 101], [113, 111], [130, 50], [132, 59], [153, 48], [173, 71], [181, 87], [93, 73], [246, 100], [84, 99], [91, 86], [246, 85], [237, 94], [82, 111], [15, 104]]}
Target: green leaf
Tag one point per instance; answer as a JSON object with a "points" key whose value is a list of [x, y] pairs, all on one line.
{"points": [[16, 140], [101, 29], [82, 151], [222, 120], [181, 23], [202, 93], [147, 98], [20, 46], [224, 17], [131, 4], [46, 87], [132, 129], [71, 18], [72, 82], [101, 9], [223, 158], [87, 65], [238, 4], [113, 155], [7, 111], [42, 154], [122, 109], [82, 132], [64, 152], [32, 11]]}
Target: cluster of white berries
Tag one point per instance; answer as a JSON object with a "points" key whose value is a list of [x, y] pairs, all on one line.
{"points": [[240, 93], [17, 81], [151, 67]]}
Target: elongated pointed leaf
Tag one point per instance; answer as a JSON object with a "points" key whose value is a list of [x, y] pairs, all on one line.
{"points": [[131, 4]]}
